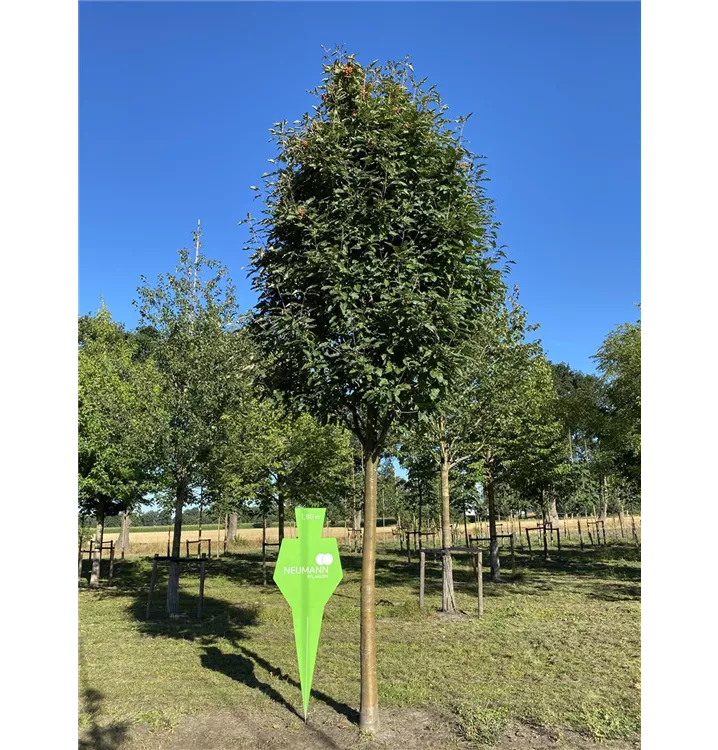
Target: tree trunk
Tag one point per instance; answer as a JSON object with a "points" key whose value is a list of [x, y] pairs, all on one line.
{"points": [[603, 511], [356, 524], [466, 526], [97, 551], [552, 510], [280, 517], [369, 705], [356, 512], [494, 549], [448, 598], [174, 573], [123, 541], [233, 527]]}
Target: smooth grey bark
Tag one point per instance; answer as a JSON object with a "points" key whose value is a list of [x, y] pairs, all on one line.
{"points": [[174, 572]]}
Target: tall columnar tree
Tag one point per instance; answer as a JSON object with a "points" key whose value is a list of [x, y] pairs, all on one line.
{"points": [[198, 356], [372, 259]]}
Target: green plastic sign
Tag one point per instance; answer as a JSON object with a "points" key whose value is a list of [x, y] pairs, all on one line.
{"points": [[308, 570]]}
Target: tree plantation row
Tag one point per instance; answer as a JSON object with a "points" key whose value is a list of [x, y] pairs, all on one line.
{"points": [[385, 331]]}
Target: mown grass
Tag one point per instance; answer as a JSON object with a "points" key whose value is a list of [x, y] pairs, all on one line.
{"points": [[558, 646]]}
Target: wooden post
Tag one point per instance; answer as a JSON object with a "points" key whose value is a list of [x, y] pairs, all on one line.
{"points": [[408, 547], [545, 542], [580, 533], [558, 538], [187, 543], [603, 526], [480, 582], [590, 537], [264, 550], [633, 527], [201, 586], [153, 580], [79, 562], [513, 558], [209, 544], [112, 562], [528, 542], [422, 566]]}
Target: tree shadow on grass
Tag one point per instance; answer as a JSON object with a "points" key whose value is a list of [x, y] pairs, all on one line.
{"points": [[221, 620], [616, 592], [99, 737], [241, 669], [341, 708]]}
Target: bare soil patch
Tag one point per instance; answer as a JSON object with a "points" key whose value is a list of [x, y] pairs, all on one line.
{"points": [[402, 729]]}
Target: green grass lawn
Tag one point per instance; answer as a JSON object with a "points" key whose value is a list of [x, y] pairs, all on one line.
{"points": [[558, 647]]}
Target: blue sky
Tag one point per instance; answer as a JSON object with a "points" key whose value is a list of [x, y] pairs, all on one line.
{"points": [[176, 100]]}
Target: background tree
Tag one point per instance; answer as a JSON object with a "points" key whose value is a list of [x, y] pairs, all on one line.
{"points": [[197, 354], [307, 464], [119, 419], [619, 361], [371, 260], [496, 393], [537, 463]]}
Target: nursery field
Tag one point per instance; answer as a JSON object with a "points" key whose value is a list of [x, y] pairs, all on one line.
{"points": [[554, 661]]}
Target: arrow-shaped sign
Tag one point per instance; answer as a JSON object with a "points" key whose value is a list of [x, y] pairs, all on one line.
{"points": [[307, 572]]}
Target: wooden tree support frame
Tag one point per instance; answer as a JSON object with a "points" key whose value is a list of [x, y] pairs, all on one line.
{"points": [[199, 543], [266, 544], [418, 546], [596, 525], [543, 528], [512, 545], [110, 545], [167, 558], [477, 561]]}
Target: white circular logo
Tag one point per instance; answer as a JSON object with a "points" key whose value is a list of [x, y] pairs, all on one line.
{"points": [[324, 559]]}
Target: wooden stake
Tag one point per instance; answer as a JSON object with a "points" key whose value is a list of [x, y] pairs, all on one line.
{"points": [[545, 542], [264, 550], [528, 542], [422, 565], [480, 582], [200, 601], [112, 562], [153, 580], [580, 533], [513, 558]]}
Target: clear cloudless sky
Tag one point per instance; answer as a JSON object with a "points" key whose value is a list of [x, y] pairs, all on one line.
{"points": [[176, 99]]}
